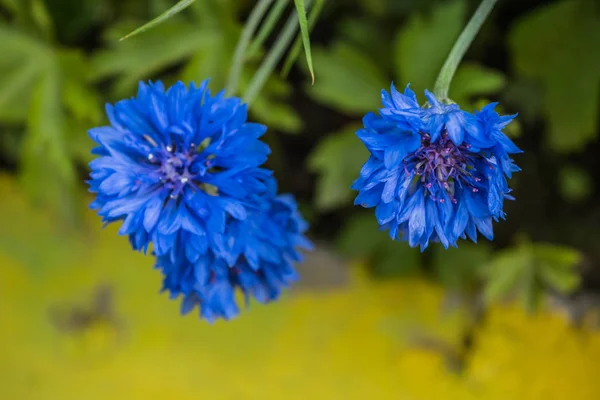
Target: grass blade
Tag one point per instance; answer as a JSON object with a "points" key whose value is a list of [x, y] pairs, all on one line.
{"points": [[161, 18], [273, 57], [266, 28], [301, 10], [239, 56], [293, 54]]}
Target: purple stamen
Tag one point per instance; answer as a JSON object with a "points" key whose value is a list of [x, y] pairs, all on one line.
{"points": [[438, 162], [177, 168]]}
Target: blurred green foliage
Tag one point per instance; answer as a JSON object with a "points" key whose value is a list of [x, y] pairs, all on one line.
{"points": [[62, 59], [552, 46], [362, 56], [528, 270]]}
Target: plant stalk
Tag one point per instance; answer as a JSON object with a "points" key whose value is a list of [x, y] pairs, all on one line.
{"points": [[442, 84]]}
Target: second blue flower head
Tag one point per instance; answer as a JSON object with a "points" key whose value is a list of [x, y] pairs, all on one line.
{"points": [[435, 173]]}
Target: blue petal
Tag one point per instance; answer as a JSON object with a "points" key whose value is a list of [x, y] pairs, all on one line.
{"points": [[417, 221]]}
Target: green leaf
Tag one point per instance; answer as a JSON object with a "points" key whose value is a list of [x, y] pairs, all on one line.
{"points": [[552, 46], [180, 6], [42, 18], [563, 280], [78, 95], [271, 108], [144, 56], [473, 80], [349, 80], [505, 272], [529, 270], [301, 11], [213, 57], [81, 102], [560, 256], [337, 160], [39, 84], [367, 35], [423, 43], [23, 60], [557, 266], [47, 172]]}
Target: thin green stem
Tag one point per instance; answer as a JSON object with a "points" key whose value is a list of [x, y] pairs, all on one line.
{"points": [[273, 57], [266, 28], [237, 63], [442, 84]]}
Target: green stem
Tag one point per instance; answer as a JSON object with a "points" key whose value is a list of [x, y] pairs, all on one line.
{"points": [[273, 57], [266, 28], [239, 56], [442, 84]]}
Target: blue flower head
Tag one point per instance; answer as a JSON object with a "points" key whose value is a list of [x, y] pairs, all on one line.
{"points": [[435, 173], [255, 255], [177, 166]]}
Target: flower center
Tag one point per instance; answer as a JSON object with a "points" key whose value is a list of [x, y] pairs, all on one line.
{"points": [[183, 168], [443, 165]]}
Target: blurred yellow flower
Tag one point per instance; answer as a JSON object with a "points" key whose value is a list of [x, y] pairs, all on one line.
{"points": [[81, 318]]}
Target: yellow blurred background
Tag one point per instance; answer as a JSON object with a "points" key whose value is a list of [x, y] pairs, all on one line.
{"points": [[81, 318]]}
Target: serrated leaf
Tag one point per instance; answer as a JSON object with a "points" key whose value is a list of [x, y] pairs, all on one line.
{"points": [[23, 60], [423, 43], [561, 256], [180, 6], [47, 173], [337, 159], [348, 79], [532, 293], [552, 46], [81, 103], [564, 281], [557, 266], [34, 85], [529, 270], [505, 273]]}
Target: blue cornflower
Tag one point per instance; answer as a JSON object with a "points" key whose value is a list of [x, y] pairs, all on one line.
{"points": [[177, 166], [255, 255], [435, 173]]}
